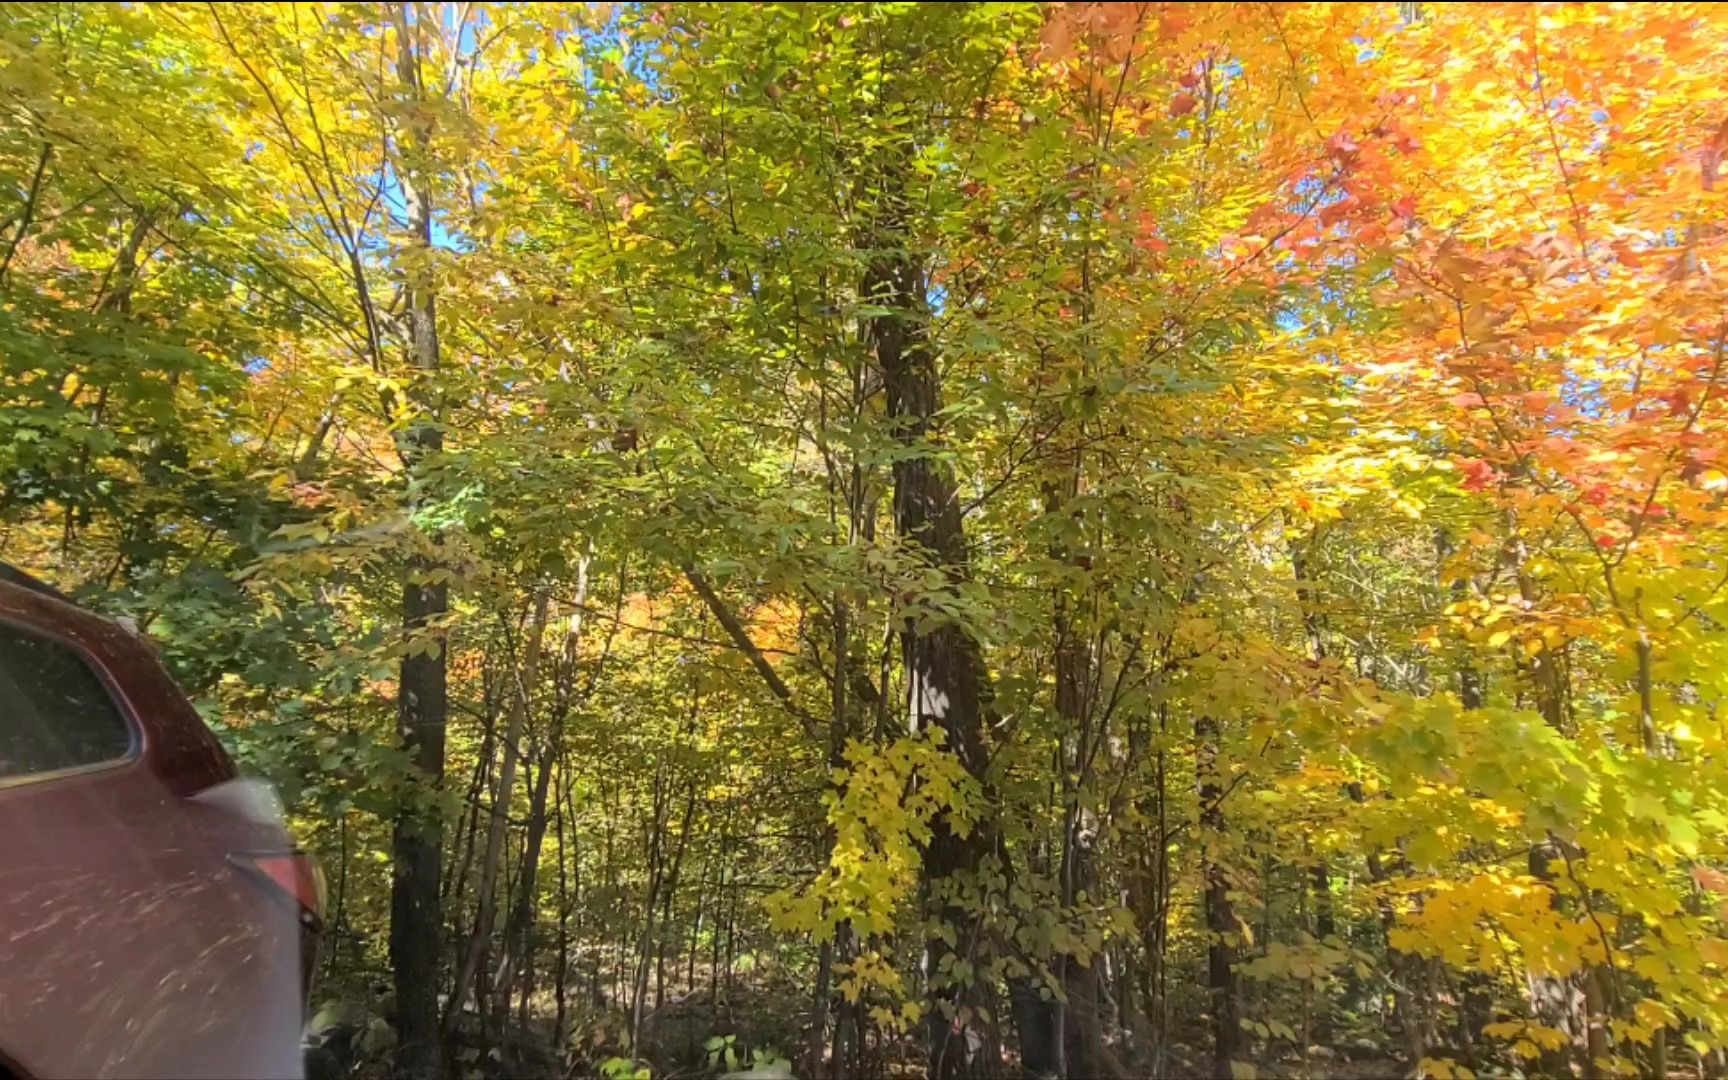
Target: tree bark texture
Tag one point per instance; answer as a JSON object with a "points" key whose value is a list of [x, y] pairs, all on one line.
{"points": [[941, 661]]}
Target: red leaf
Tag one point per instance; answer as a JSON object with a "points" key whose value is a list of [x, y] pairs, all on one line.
{"points": [[1182, 104], [1338, 211], [1478, 474]]}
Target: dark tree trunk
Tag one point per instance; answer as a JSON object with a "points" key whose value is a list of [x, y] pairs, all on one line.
{"points": [[816, 1040], [415, 919], [941, 661], [1325, 921], [472, 971], [654, 835], [669, 895], [1221, 927], [566, 902], [1034, 1027], [1082, 1027], [1076, 1029], [847, 1054], [519, 928], [455, 884], [422, 708], [1314, 628], [1149, 895]]}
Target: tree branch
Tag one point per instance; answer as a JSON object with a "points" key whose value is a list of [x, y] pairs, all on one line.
{"points": [[740, 636]]}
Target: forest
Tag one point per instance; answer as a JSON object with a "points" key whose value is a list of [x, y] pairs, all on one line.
{"points": [[911, 539]]}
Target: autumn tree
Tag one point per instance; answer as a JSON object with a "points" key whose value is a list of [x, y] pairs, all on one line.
{"points": [[1091, 539]]}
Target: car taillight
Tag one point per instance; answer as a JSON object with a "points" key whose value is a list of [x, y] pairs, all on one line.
{"points": [[295, 875]]}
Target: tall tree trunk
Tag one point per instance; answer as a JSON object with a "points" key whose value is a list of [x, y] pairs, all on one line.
{"points": [[1075, 1030], [518, 961], [1325, 920], [1558, 1001], [844, 1056], [1653, 747], [1221, 924], [837, 733], [669, 896], [1081, 1031], [1402, 965], [654, 836], [1314, 629], [1149, 894], [417, 842], [941, 661], [422, 706], [499, 820], [561, 975], [519, 930], [1476, 1001], [455, 884]]}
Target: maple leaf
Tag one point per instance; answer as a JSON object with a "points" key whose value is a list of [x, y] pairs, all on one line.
{"points": [[1678, 400], [1478, 474], [1333, 213]]}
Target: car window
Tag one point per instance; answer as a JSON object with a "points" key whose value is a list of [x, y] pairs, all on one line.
{"points": [[54, 712]]}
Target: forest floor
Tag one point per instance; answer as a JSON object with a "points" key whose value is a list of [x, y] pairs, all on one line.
{"points": [[750, 1031]]}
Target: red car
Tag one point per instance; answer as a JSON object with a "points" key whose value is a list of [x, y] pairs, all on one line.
{"points": [[155, 917]]}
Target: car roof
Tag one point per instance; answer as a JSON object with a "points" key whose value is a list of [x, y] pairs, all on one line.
{"points": [[14, 576]]}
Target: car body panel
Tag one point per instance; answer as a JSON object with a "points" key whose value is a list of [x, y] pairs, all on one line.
{"points": [[130, 943]]}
